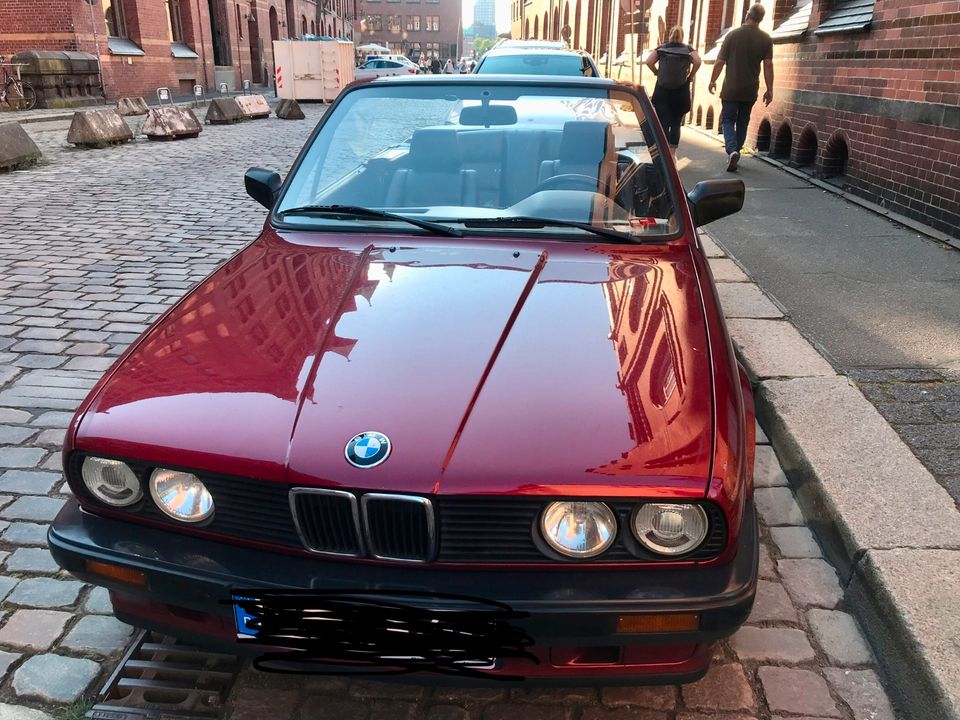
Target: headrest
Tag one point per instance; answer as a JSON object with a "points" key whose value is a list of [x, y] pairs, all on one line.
{"points": [[585, 142], [434, 150], [489, 115]]}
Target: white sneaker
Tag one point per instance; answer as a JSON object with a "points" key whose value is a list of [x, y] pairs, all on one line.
{"points": [[732, 161]]}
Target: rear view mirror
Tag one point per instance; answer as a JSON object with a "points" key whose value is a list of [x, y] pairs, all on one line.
{"points": [[263, 185], [488, 115], [713, 199]]}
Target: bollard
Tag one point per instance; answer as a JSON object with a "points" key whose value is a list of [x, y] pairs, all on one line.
{"points": [[98, 128], [290, 110], [253, 107], [224, 111], [128, 106], [17, 149], [171, 123]]}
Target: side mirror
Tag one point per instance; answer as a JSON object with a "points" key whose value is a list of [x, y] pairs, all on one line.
{"points": [[262, 185], [713, 199]]}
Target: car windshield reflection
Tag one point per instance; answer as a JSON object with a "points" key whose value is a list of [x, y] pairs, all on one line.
{"points": [[582, 156]]}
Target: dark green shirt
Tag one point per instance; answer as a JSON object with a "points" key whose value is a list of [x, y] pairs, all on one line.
{"points": [[743, 50]]}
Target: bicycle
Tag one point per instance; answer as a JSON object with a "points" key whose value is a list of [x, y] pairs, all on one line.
{"points": [[18, 94]]}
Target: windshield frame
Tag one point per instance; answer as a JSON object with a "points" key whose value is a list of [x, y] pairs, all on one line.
{"points": [[680, 203]]}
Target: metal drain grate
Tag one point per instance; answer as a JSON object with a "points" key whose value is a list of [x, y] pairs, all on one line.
{"points": [[161, 679]]}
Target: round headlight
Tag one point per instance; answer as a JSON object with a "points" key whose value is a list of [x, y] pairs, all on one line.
{"points": [[111, 481], [181, 495], [578, 529], [670, 529]]}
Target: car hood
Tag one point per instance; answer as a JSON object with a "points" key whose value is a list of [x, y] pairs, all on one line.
{"points": [[493, 367]]}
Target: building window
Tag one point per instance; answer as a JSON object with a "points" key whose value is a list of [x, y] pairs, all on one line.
{"points": [[413, 23], [375, 23], [239, 22], [433, 50], [116, 23], [847, 16], [433, 23], [173, 21], [303, 24], [394, 24]]}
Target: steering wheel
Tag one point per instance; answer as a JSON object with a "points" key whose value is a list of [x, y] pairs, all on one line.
{"points": [[582, 182]]}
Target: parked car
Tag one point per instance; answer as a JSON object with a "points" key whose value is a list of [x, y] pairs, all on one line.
{"points": [[384, 68], [466, 406], [536, 61]]}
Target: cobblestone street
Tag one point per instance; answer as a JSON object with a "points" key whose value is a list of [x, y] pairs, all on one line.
{"points": [[98, 243]]}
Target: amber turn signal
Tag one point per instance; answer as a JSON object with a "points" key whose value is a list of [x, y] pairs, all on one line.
{"points": [[115, 572], [657, 623]]}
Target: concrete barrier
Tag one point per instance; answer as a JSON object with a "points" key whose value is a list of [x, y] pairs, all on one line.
{"points": [[224, 111], [253, 107], [98, 128], [171, 123], [17, 150], [290, 110], [128, 106]]}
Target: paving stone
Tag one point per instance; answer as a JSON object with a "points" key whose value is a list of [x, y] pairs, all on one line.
{"points": [[46, 593], [7, 584], [861, 690], [87, 349], [54, 419], [560, 695], [11, 434], [50, 437], [656, 698], [810, 582], [906, 412], [777, 506], [766, 469], [54, 678], [28, 482], [772, 604], [796, 691], [33, 629], [20, 457], [767, 567], [772, 645], [762, 438], [36, 560], [99, 633], [394, 710], [710, 246], [387, 691], [446, 712], [838, 635], [795, 542], [726, 270], [515, 711], [98, 602], [724, 687], [19, 712], [622, 713], [89, 363], [315, 707], [468, 695], [9, 415], [745, 300], [6, 660], [724, 716], [775, 348], [32, 508]]}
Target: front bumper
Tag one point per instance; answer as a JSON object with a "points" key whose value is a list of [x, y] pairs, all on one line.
{"points": [[570, 615]]}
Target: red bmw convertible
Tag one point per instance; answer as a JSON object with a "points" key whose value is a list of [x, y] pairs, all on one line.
{"points": [[465, 409]]}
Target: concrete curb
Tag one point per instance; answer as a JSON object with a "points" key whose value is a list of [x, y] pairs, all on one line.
{"points": [[889, 528]]}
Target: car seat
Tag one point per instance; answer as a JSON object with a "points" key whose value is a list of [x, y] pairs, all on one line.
{"points": [[586, 148], [433, 174]]}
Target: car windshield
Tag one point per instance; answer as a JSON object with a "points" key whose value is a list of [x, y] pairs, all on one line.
{"points": [[489, 158], [536, 64]]}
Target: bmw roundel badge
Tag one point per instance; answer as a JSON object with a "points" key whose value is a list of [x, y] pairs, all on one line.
{"points": [[367, 449]]}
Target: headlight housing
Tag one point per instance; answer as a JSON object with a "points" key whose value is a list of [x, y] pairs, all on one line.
{"points": [[578, 529], [112, 482], [181, 495], [670, 528]]}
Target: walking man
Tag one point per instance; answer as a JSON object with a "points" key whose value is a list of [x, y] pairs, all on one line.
{"points": [[742, 52]]}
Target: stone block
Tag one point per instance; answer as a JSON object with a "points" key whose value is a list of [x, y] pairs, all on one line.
{"points": [[795, 542], [726, 270], [19, 712], [289, 109], [54, 678], [33, 629], [99, 633], [724, 687], [254, 107], [655, 698], [130, 106], [839, 636], [6, 660], [710, 246], [224, 111], [33, 559], [776, 349], [811, 582], [772, 604], [45, 593], [799, 692], [98, 128], [17, 149], [766, 469], [861, 690], [777, 506], [746, 300], [783, 645], [171, 123]]}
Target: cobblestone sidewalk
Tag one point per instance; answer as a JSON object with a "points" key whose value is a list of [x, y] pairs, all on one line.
{"points": [[96, 244]]}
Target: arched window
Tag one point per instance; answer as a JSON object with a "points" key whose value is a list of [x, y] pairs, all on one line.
{"points": [[113, 14], [274, 24], [303, 24], [536, 28], [313, 27]]}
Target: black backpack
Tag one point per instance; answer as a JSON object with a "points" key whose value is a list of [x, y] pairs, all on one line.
{"points": [[673, 67]]}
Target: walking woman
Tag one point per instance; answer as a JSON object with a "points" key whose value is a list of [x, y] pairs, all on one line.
{"points": [[674, 64]]}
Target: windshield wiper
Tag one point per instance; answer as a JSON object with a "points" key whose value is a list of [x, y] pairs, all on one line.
{"points": [[520, 221], [357, 211]]}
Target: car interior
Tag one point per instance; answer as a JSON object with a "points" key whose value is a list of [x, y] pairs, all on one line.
{"points": [[489, 160]]}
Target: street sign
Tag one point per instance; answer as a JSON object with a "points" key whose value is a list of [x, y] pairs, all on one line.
{"points": [[246, 86], [163, 95], [223, 88], [198, 91]]}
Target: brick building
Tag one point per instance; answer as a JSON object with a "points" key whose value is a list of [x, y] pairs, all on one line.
{"points": [[146, 44], [412, 27], [867, 92]]}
